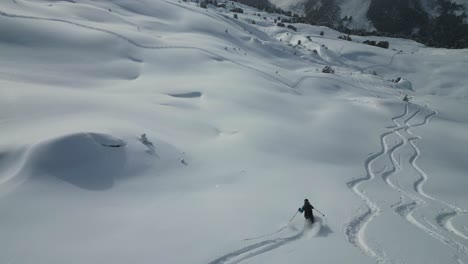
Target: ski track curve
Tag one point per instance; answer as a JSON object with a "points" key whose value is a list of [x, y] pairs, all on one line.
{"points": [[443, 219], [407, 210], [355, 229], [256, 249]]}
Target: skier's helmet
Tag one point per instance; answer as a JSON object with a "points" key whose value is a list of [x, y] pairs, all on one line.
{"points": [[306, 200]]}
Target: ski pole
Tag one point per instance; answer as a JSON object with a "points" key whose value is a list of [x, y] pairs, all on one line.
{"points": [[274, 233], [293, 217], [319, 212]]}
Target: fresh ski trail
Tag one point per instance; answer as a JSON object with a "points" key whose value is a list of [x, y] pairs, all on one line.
{"points": [[443, 219], [409, 203], [355, 229], [257, 249], [409, 209]]}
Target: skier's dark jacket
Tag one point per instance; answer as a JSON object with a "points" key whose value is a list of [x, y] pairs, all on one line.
{"points": [[307, 209]]}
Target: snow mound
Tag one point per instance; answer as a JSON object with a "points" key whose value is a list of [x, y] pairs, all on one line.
{"points": [[95, 161], [405, 85], [11, 163], [88, 160]]}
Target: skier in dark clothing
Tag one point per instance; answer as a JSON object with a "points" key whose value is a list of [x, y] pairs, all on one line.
{"points": [[307, 209]]}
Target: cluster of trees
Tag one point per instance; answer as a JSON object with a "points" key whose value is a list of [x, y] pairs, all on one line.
{"points": [[396, 18], [265, 5], [448, 28], [345, 37], [401, 17], [381, 44], [324, 13]]}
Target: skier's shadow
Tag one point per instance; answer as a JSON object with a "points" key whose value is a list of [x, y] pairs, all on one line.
{"points": [[324, 228]]}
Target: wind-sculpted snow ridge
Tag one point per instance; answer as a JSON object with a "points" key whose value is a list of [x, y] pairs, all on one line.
{"points": [[155, 47], [12, 169]]}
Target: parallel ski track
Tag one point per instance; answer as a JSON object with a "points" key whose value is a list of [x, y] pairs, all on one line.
{"points": [[355, 229], [256, 249], [421, 199], [409, 203], [407, 210], [444, 219]]}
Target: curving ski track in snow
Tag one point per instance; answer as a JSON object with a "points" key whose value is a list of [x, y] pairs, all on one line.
{"points": [[412, 199], [355, 229], [256, 249], [443, 219], [420, 199]]}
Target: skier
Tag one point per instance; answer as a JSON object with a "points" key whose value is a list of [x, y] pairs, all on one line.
{"points": [[307, 209], [406, 98]]}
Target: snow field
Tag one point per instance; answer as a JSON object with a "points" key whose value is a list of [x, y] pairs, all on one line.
{"points": [[242, 127]]}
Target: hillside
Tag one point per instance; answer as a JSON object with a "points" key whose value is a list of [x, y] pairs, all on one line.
{"points": [[156, 131], [436, 23]]}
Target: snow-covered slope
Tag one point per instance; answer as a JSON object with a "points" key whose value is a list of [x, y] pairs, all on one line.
{"points": [[241, 125]]}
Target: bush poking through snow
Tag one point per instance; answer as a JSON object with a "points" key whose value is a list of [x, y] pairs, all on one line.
{"points": [[381, 44], [143, 139], [328, 69], [292, 27], [151, 148], [237, 10], [406, 98], [345, 37]]}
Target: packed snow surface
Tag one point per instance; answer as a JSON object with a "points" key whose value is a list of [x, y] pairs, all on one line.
{"points": [[156, 131]]}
